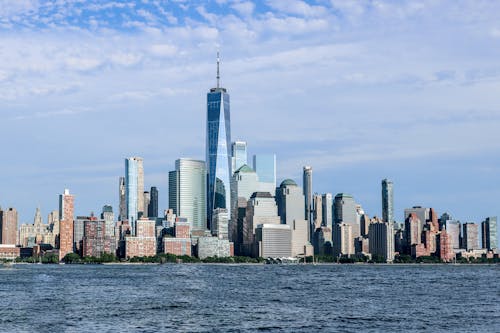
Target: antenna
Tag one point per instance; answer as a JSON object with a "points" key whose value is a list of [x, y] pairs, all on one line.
{"points": [[218, 74]]}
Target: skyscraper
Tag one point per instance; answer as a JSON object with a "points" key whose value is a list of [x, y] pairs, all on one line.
{"points": [[122, 194], [134, 183], [308, 194], [239, 154], [66, 214], [327, 210], [153, 203], [265, 167], [345, 209], [8, 226], [147, 200], [188, 191], [218, 143], [381, 240], [109, 218], [387, 201], [489, 233], [470, 236]]}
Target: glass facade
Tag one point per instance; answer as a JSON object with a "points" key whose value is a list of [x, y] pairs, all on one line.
{"points": [[387, 201], [218, 155], [265, 166], [239, 153], [131, 178]]}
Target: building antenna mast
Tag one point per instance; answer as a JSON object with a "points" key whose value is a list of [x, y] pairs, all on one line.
{"points": [[218, 74]]}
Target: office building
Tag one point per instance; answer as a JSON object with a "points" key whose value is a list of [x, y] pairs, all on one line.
{"points": [[489, 233], [470, 239], [180, 244], [108, 217], [218, 144], [261, 209], [317, 210], [66, 214], [187, 192], [444, 246], [8, 226], [134, 184], [422, 214], [220, 223], [122, 197], [307, 190], [147, 200], [239, 155], [265, 167], [343, 239], [453, 229], [153, 203], [273, 240], [345, 209], [387, 201], [327, 210], [213, 246], [412, 232], [381, 240]]}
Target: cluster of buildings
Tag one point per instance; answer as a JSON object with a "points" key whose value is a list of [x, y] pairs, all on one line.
{"points": [[225, 205]]}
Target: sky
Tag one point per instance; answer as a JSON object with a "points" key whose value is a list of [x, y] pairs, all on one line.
{"points": [[359, 90]]}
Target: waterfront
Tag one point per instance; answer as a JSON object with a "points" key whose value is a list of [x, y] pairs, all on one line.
{"points": [[296, 298]]}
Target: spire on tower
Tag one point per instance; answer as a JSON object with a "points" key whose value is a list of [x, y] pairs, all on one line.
{"points": [[218, 74]]}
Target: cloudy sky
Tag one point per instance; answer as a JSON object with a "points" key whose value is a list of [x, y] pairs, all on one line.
{"points": [[359, 90]]}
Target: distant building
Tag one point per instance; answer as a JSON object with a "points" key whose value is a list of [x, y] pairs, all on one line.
{"points": [[307, 190], [8, 226], [147, 200], [38, 232], [470, 237], [95, 240], [327, 201], [265, 167], [144, 243], [489, 233], [134, 184], [180, 244], [108, 217], [381, 240], [213, 247], [422, 214], [9, 252], [273, 240], [220, 223], [122, 196], [239, 155], [261, 209], [153, 203], [345, 209], [444, 246], [387, 201], [187, 192], [317, 210], [66, 214], [343, 239], [453, 229]]}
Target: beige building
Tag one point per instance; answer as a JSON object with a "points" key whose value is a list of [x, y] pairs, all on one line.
{"points": [[37, 233], [274, 240], [343, 239]]}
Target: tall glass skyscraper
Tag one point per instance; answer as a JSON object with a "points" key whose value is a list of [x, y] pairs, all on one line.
{"points": [[218, 144], [265, 166], [387, 201], [134, 184], [239, 153]]}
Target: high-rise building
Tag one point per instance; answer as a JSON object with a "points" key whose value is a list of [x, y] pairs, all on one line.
{"points": [[95, 240], [239, 154], [289, 198], [220, 223], [317, 210], [308, 193], [188, 192], [122, 194], [265, 167], [387, 201], [8, 226], [454, 233], [422, 213], [144, 243], [381, 240], [147, 200], [345, 209], [343, 239], [134, 183], [489, 233], [470, 239], [327, 210], [109, 218], [218, 144], [261, 208], [153, 203], [412, 232], [66, 214]]}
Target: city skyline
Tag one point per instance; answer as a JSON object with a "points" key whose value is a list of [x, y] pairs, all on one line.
{"points": [[361, 122]]}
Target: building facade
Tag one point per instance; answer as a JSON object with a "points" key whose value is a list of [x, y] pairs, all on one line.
{"points": [[265, 167], [489, 233], [239, 155], [66, 215], [387, 200], [381, 240], [8, 226], [134, 184]]}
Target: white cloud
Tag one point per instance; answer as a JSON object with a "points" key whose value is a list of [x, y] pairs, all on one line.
{"points": [[163, 50], [11, 8], [245, 8], [297, 7]]}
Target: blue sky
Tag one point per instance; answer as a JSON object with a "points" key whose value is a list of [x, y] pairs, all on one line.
{"points": [[359, 90]]}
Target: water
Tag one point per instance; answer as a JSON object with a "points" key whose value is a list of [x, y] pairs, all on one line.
{"points": [[246, 298]]}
